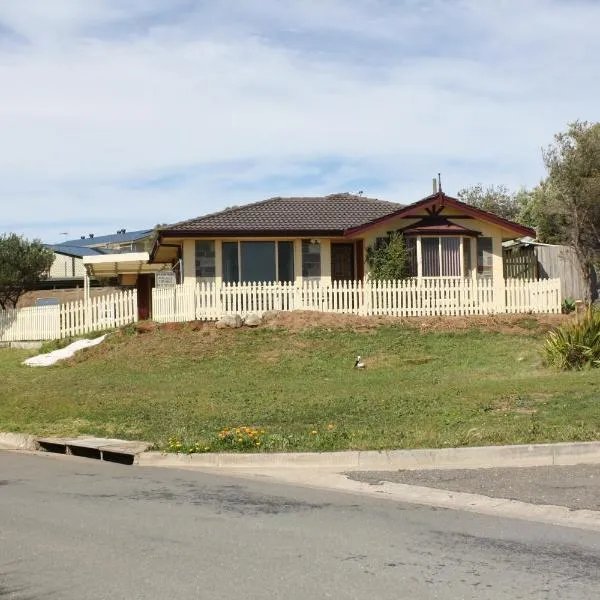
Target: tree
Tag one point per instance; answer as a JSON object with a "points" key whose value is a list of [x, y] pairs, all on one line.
{"points": [[573, 164], [388, 260], [23, 264], [536, 211], [496, 199]]}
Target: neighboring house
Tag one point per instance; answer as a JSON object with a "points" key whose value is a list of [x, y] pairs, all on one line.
{"points": [[121, 241], [67, 270], [326, 239]]}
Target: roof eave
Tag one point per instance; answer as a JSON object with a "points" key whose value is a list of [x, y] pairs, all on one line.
{"points": [[237, 233]]}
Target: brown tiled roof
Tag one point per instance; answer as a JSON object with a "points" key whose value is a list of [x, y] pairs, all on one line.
{"points": [[333, 214]]}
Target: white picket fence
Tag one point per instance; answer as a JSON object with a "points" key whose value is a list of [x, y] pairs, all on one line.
{"points": [[409, 298], [69, 319]]}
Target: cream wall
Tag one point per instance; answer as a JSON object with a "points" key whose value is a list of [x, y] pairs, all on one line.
{"points": [[65, 267]]}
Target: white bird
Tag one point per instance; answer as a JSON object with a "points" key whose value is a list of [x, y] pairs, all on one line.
{"points": [[359, 363]]}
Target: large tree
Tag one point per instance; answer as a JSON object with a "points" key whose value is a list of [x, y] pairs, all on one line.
{"points": [[23, 264], [573, 194], [497, 199]]}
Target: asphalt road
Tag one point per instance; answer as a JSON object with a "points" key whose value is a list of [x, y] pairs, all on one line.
{"points": [[79, 529], [577, 486]]}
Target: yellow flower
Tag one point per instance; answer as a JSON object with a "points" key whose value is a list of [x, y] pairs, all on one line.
{"points": [[313, 432], [330, 426]]}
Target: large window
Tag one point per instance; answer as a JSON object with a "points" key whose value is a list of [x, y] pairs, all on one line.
{"points": [[205, 258], [441, 256], [254, 262], [311, 259]]}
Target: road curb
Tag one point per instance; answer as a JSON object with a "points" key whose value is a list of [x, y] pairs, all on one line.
{"points": [[526, 455], [17, 441]]}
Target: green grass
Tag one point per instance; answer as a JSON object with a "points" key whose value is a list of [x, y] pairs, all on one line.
{"points": [[431, 389]]}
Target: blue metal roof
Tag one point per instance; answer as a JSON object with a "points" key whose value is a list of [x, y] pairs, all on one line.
{"points": [[76, 251], [116, 238]]}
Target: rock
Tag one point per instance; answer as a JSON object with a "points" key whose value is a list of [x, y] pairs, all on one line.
{"points": [[229, 322], [253, 320], [145, 327], [196, 325]]}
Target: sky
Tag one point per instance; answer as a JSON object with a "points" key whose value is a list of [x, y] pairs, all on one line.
{"points": [[129, 113]]}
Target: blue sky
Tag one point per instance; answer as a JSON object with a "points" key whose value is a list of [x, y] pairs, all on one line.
{"points": [[128, 113]]}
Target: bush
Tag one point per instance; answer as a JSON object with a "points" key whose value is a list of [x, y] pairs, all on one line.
{"points": [[576, 345], [568, 306], [388, 260]]}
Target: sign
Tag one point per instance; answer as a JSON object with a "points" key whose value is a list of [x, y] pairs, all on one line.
{"points": [[165, 279]]}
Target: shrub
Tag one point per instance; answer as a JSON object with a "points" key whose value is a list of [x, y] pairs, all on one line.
{"points": [[576, 345], [568, 306], [388, 260]]}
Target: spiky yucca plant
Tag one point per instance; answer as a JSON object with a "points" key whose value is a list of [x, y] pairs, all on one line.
{"points": [[576, 345]]}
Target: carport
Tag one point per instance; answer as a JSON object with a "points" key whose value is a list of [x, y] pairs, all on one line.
{"points": [[131, 269]]}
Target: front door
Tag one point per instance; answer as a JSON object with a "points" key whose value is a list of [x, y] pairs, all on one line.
{"points": [[342, 262]]}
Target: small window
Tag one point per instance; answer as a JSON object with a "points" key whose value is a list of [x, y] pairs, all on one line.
{"points": [[285, 261], [205, 258], [411, 252], [467, 256], [311, 259], [485, 257], [231, 266]]}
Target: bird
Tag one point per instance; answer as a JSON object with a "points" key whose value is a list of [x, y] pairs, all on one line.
{"points": [[359, 363]]}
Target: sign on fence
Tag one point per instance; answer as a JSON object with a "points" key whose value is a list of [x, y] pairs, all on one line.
{"points": [[165, 279]]}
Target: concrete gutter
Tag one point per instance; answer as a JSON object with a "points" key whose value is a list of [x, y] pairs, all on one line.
{"points": [[525, 455], [532, 455]]}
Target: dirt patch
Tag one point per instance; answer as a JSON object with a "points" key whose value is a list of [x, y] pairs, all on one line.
{"points": [[515, 324], [70, 295]]}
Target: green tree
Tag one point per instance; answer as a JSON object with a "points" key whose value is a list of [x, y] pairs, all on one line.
{"points": [[537, 211], [23, 264], [388, 260], [496, 199], [573, 195]]}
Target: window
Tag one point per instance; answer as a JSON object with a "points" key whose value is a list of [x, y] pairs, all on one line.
{"points": [[485, 257], [258, 262], [231, 266], [450, 256], [254, 262], [285, 261], [441, 256], [411, 252], [430, 255], [311, 259], [467, 256], [205, 258]]}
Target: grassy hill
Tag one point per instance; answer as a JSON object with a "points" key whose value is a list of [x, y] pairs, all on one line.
{"points": [[428, 383]]}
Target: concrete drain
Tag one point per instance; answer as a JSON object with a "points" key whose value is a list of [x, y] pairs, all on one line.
{"points": [[112, 450]]}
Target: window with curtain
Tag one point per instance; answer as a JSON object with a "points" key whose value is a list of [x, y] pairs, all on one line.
{"points": [[205, 258], [311, 259], [430, 256], [450, 256], [467, 256]]}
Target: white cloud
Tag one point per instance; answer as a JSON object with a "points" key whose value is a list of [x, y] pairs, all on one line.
{"points": [[246, 98]]}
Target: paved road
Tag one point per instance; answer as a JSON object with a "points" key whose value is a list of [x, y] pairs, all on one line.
{"points": [[77, 529], [577, 487]]}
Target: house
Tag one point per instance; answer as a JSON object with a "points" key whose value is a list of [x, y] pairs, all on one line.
{"points": [[121, 241], [326, 239]]}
